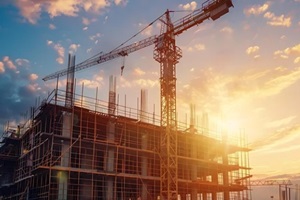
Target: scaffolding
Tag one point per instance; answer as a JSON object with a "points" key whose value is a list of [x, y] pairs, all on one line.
{"points": [[87, 151]]}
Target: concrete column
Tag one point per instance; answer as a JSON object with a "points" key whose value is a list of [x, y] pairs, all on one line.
{"points": [[144, 141], [110, 161], [144, 166], [215, 181], [62, 177], [204, 196]]}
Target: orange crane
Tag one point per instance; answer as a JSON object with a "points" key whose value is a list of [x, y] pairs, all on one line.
{"points": [[167, 54]]}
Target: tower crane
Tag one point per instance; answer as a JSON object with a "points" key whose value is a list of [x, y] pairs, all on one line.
{"points": [[167, 54]]}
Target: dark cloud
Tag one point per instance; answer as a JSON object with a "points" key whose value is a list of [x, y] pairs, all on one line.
{"points": [[18, 94]]}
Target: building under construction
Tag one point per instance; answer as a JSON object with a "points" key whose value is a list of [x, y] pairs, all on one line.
{"points": [[76, 147]]}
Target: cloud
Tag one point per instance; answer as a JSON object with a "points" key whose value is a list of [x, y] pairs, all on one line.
{"points": [[95, 37], [196, 47], [22, 62], [252, 50], [295, 50], [85, 28], [73, 48], [257, 9], [2, 69], [277, 20], [227, 30], [121, 2], [9, 63], [33, 77], [188, 6], [289, 51], [96, 81], [89, 50], [52, 26], [147, 30], [146, 83], [277, 137], [85, 21], [139, 72], [280, 122], [18, 95], [297, 60], [60, 50], [31, 10], [216, 92]]}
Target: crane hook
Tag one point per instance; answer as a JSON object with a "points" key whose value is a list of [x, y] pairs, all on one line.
{"points": [[123, 54], [122, 68]]}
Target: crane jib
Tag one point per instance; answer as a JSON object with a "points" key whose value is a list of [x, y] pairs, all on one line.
{"points": [[213, 9]]}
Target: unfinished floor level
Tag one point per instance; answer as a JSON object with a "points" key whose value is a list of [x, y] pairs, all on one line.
{"points": [[86, 152]]}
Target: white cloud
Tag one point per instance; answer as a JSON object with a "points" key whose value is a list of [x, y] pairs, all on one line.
{"points": [[31, 10], [297, 60], [147, 31], [278, 20], [196, 47], [188, 6], [139, 72], [280, 122], [146, 83], [85, 21], [33, 87], [52, 26], [73, 48], [95, 37], [85, 28], [295, 50], [283, 37], [2, 69], [9, 63], [22, 62], [257, 9], [290, 51], [252, 50], [227, 30], [199, 47], [89, 50], [60, 50], [121, 2], [33, 77]]}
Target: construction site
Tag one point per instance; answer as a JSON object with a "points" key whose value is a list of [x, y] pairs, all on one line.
{"points": [[75, 146]]}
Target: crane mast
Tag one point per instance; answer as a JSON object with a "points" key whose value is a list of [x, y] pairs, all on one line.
{"points": [[167, 54]]}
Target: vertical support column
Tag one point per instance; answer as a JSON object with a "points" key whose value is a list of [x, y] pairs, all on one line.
{"points": [[215, 181], [66, 132], [194, 146], [225, 172], [110, 152], [204, 196], [70, 82], [144, 141]]}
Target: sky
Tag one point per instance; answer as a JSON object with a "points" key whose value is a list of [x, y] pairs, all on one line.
{"points": [[243, 69]]}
